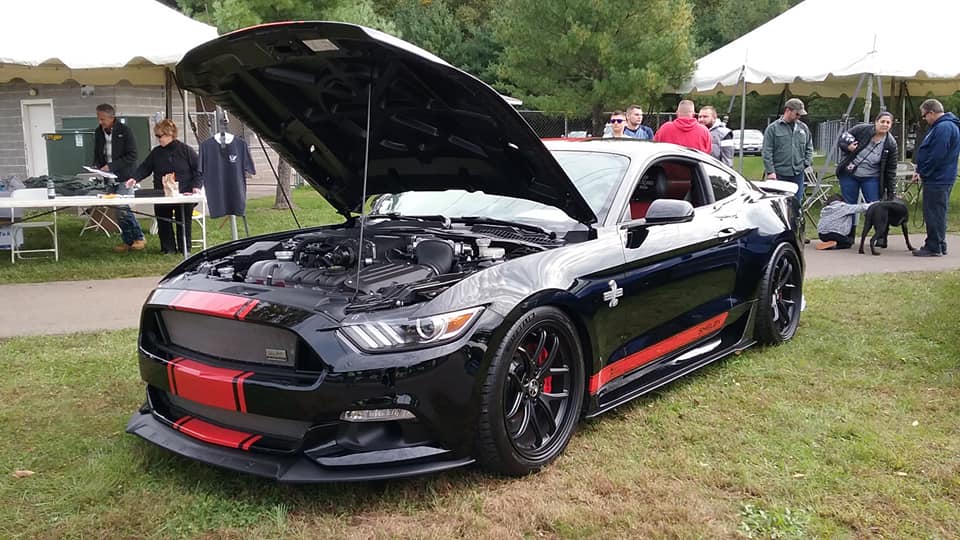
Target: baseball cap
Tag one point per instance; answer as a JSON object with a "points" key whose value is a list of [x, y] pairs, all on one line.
{"points": [[795, 104]]}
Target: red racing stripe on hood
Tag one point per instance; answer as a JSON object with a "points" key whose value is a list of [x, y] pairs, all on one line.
{"points": [[657, 350], [227, 306]]}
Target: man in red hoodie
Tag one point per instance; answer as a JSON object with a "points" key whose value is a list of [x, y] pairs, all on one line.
{"points": [[685, 130]]}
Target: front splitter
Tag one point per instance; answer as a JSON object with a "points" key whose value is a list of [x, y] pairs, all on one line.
{"points": [[296, 469]]}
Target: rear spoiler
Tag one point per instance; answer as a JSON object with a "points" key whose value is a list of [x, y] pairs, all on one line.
{"points": [[776, 187]]}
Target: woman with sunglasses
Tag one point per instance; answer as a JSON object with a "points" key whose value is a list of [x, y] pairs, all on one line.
{"points": [[175, 161], [618, 121]]}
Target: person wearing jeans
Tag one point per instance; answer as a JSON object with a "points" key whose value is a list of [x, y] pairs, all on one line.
{"points": [[868, 162], [115, 152], [937, 170]]}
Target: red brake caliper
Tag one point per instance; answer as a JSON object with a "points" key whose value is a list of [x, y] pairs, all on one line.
{"points": [[548, 380]]}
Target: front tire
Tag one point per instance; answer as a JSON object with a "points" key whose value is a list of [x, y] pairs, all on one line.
{"points": [[532, 394], [781, 295]]}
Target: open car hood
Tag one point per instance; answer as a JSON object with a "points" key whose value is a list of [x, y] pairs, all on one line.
{"points": [[304, 87]]}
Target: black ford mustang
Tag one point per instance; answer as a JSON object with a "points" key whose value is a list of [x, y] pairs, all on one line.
{"points": [[498, 289]]}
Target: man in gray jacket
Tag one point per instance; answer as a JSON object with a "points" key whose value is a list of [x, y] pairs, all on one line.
{"points": [[788, 146], [720, 136]]}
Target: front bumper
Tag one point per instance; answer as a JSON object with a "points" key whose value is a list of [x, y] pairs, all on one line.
{"points": [[297, 468], [211, 399]]}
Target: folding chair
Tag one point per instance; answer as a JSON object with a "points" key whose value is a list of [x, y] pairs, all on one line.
{"points": [[907, 188], [98, 218], [816, 191], [16, 227]]}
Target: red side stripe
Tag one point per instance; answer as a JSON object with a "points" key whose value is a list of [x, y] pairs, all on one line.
{"points": [[657, 350], [208, 385], [213, 434], [216, 304], [241, 398]]}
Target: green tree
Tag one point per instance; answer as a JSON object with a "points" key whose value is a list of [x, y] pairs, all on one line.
{"points": [[586, 58], [457, 31], [229, 15]]}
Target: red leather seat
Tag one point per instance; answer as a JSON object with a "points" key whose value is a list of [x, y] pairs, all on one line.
{"points": [[652, 186], [638, 209]]}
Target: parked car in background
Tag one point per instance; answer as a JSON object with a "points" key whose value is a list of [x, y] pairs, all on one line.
{"points": [[752, 142]]}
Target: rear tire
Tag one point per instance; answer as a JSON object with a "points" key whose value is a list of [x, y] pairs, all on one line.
{"points": [[532, 394], [781, 294]]}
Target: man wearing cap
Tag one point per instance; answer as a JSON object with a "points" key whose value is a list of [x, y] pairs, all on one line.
{"points": [[788, 146]]}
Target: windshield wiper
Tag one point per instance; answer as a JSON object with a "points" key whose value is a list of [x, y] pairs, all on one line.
{"points": [[400, 217], [494, 221]]}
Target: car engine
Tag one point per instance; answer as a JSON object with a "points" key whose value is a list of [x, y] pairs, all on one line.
{"points": [[396, 266]]}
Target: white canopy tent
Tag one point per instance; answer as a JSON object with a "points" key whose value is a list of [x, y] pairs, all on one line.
{"points": [[94, 42], [824, 46], [830, 47]]}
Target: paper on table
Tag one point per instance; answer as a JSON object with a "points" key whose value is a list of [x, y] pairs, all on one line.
{"points": [[104, 174]]}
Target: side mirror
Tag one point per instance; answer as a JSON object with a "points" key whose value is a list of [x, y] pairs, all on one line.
{"points": [[669, 211]]}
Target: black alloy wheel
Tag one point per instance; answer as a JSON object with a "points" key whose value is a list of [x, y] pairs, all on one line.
{"points": [[781, 297], [532, 395]]}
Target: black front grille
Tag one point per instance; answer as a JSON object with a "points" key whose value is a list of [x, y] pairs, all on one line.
{"points": [[229, 339]]}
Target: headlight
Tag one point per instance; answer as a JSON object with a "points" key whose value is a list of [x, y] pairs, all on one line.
{"points": [[385, 336]]}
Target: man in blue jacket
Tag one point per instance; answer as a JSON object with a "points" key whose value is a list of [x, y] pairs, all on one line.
{"points": [[634, 128], [937, 169]]}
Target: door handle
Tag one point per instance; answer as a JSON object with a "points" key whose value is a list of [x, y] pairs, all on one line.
{"points": [[726, 233]]}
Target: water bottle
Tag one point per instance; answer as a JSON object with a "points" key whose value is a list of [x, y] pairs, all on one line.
{"points": [[51, 190]]}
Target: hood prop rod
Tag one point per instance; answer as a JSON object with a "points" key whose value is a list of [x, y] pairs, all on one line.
{"points": [[363, 197]]}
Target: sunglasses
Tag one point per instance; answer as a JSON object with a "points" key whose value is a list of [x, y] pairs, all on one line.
{"points": [[159, 135], [617, 120]]}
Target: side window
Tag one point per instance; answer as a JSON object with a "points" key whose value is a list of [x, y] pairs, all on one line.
{"points": [[722, 183], [666, 179]]}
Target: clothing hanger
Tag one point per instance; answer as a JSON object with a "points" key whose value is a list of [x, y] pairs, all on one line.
{"points": [[223, 137]]}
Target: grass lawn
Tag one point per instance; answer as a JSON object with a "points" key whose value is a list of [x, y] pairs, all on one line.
{"points": [[90, 257], [850, 430]]}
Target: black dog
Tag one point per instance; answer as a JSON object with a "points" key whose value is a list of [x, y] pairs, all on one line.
{"points": [[880, 217]]}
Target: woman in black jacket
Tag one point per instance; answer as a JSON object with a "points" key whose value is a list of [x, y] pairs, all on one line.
{"points": [[172, 157], [868, 161]]}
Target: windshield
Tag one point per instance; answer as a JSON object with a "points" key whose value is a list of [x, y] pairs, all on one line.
{"points": [[595, 174]]}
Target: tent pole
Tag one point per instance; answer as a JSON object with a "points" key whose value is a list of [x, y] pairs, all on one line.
{"points": [[883, 105], [743, 112], [186, 114], [868, 99], [903, 122], [853, 98], [168, 93]]}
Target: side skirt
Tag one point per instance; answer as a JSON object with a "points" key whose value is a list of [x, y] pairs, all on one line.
{"points": [[746, 341]]}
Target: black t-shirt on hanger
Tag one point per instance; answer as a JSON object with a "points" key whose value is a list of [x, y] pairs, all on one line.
{"points": [[224, 167]]}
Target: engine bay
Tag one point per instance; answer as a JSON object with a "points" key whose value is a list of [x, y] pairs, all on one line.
{"points": [[390, 266]]}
